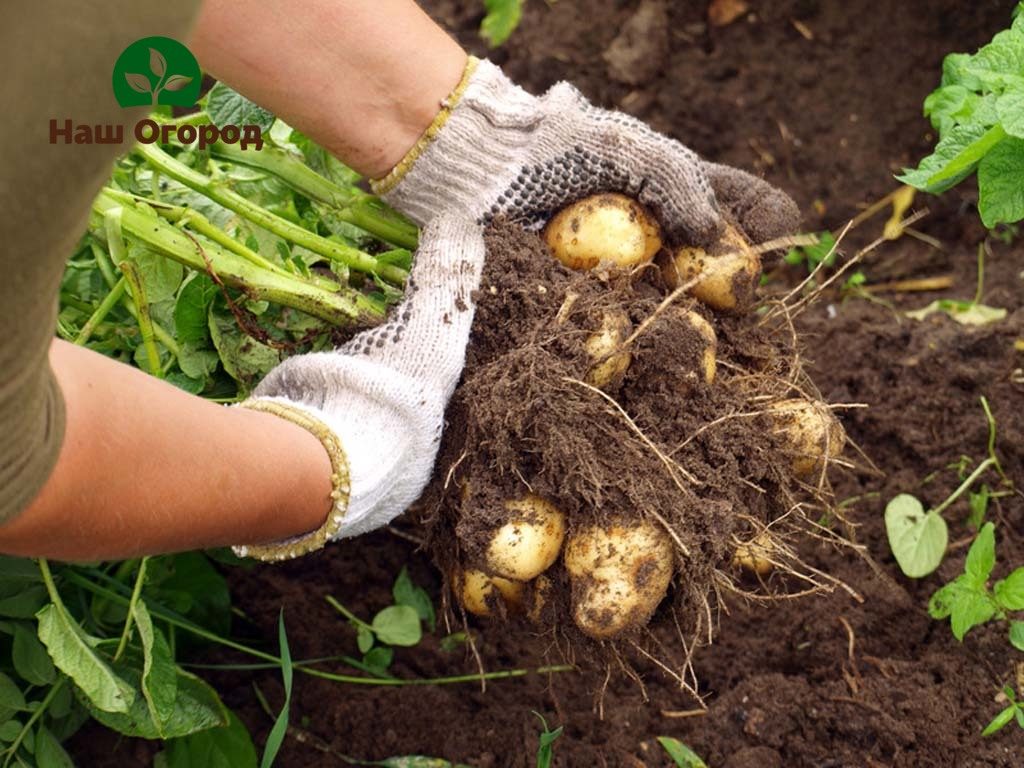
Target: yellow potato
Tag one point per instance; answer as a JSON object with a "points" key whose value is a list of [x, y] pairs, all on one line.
{"points": [[729, 272], [619, 572], [603, 347], [754, 556], [709, 359], [606, 229], [529, 540], [476, 591], [812, 433]]}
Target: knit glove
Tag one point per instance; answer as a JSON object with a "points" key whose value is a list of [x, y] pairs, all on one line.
{"points": [[377, 403]]}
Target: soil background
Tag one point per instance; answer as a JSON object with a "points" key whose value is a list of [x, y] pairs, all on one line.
{"points": [[826, 681]]}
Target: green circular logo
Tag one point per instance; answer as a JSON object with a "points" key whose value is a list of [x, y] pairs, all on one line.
{"points": [[156, 70]]}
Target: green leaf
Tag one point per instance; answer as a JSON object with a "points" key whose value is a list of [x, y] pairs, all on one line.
{"points": [[1000, 193], [73, 651], [190, 310], [24, 604], [12, 700], [940, 604], [379, 659], [31, 661], [196, 706], [454, 641], [398, 625], [1010, 108], [280, 729], [546, 741], [981, 557], [918, 540], [949, 106], [953, 159], [500, 21], [18, 571], [245, 359], [963, 312], [407, 593], [999, 721], [969, 611], [978, 503], [159, 677], [9, 731], [364, 639], [161, 276], [49, 753], [1017, 635], [682, 755], [198, 590], [225, 106], [1009, 592], [227, 747]]}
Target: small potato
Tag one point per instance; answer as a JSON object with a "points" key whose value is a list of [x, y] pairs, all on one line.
{"points": [[606, 229], [754, 556], [709, 359], [477, 591], [529, 541], [619, 572], [812, 433], [729, 272], [603, 346]]}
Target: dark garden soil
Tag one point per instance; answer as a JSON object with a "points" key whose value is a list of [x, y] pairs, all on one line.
{"points": [[822, 681]]}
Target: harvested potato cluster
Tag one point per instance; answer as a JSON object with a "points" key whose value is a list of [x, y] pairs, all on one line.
{"points": [[628, 437]]}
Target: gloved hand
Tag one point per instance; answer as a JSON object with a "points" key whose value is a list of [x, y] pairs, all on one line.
{"points": [[377, 403]]}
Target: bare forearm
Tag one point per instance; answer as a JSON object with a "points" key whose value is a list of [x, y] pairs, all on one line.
{"points": [[146, 468], [364, 79]]}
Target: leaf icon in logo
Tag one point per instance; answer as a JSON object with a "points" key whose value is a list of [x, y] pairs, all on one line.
{"points": [[138, 82], [176, 82], [157, 62]]}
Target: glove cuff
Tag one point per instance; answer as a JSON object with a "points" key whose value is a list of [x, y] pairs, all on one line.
{"points": [[463, 159], [340, 484]]}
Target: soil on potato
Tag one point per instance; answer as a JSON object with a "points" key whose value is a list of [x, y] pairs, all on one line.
{"points": [[823, 681]]}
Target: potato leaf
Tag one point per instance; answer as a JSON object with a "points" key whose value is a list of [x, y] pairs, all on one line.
{"points": [[31, 661], [970, 611], [500, 21], [1000, 193], [228, 107], [49, 752], [398, 625], [73, 652], [407, 593], [159, 678], [1017, 634], [917, 539], [1009, 592], [227, 747], [981, 557]]}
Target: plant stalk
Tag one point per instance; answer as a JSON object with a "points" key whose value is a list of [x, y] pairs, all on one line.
{"points": [[364, 211], [258, 215], [208, 257]]}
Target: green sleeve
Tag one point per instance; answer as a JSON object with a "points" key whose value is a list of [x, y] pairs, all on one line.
{"points": [[56, 62]]}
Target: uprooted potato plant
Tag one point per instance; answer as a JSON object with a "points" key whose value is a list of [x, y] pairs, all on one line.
{"points": [[631, 440]]}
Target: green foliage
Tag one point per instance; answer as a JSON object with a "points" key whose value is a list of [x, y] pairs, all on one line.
{"points": [[500, 20], [682, 755], [280, 729], [546, 742], [228, 107], [1013, 711], [824, 251], [397, 625], [917, 538], [978, 111], [82, 641]]}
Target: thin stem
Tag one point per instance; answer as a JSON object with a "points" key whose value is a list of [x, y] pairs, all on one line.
{"points": [[51, 586], [112, 298], [260, 216], [138, 294], [347, 613], [992, 440], [964, 485], [981, 273], [136, 593], [453, 679], [107, 270]]}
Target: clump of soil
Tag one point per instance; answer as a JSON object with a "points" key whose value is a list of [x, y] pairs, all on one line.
{"points": [[702, 460]]}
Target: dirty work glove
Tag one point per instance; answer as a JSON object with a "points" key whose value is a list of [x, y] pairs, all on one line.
{"points": [[377, 403], [495, 149]]}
